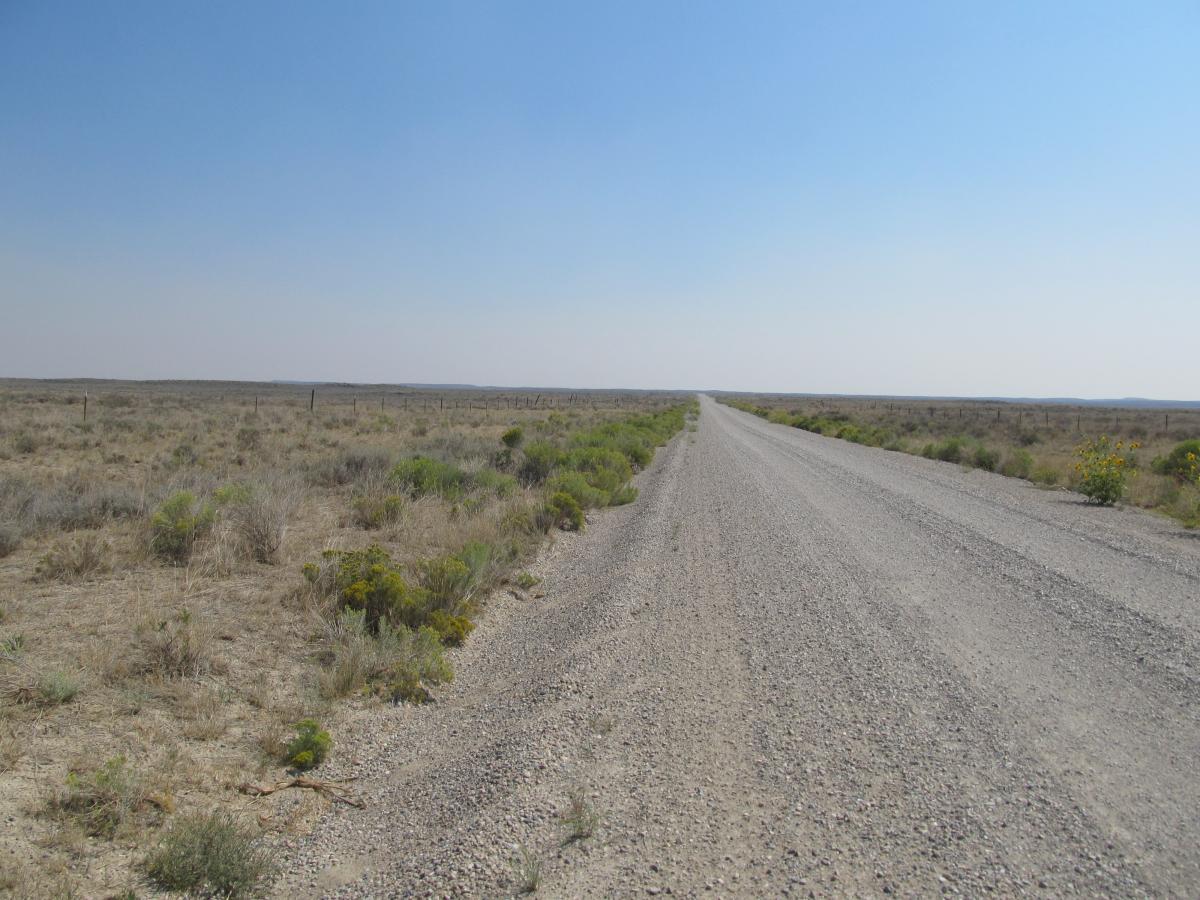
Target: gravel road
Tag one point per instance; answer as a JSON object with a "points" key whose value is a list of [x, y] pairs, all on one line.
{"points": [[797, 666]]}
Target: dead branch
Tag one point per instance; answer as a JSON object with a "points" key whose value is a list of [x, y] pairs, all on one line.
{"points": [[330, 789]]}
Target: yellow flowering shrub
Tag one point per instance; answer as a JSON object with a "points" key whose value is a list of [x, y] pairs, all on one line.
{"points": [[1103, 469]]}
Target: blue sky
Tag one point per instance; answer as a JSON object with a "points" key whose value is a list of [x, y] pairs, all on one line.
{"points": [[954, 197]]}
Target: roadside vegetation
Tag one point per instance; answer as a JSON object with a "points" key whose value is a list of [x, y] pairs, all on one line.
{"points": [[201, 589], [1147, 458]]}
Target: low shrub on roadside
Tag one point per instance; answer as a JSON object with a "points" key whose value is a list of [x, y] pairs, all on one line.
{"points": [[1182, 463], [565, 511], [1103, 469], [351, 467], [309, 747], [1017, 463], [513, 437], [209, 855], [400, 663], [983, 458], [949, 450]]}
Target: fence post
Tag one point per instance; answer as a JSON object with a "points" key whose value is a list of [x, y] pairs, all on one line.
{"points": [[1166, 422], [256, 404], [85, 406], [312, 400]]}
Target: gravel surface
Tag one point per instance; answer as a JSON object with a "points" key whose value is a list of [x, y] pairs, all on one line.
{"points": [[801, 667]]}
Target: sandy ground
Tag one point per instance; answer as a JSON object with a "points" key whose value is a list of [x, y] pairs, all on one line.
{"points": [[797, 666]]}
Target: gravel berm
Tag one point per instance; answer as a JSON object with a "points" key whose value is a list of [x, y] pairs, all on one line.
{"points": [[801, 667]]}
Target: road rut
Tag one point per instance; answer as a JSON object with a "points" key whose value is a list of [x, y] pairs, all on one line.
{"points": [[799, 666]]}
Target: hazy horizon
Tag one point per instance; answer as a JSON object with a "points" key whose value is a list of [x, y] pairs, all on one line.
{"points": [[931, 200]]}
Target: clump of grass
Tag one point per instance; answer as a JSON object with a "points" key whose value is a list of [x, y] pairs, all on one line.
{"points": [[10, 539], [309, 747], [72, 559], [527, 871], [399, 663], [377, 505], [102, 800], [175, 647], [580, 817], [512, 437], [351, 467], [56, 687], [258, 517], [210, 855]]}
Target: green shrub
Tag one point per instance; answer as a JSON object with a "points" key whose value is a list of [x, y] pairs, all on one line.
{"points": [[309, 747], [575, 485], [984, 458], [177, 524], [541, 458], [525, 581], [565, 511], [421, 476], [368, 581], [447, 579], [451, 630], [494, 482], [513, 437], [1045, 475], [209, 855], [1017, 464], [949, 450], [1180, 463]]}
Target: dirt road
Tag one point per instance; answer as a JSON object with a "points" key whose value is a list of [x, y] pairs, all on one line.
{"points": [[799, 665]]}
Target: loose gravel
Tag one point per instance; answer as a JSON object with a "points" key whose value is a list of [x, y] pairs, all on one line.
{"points": [[800, 667]]}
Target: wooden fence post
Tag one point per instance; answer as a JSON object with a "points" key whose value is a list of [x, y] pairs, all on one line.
{"points": [[85, 406], [312, 400]]}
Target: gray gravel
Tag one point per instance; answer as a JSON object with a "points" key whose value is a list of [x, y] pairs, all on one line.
{"points": [[801, 667]]}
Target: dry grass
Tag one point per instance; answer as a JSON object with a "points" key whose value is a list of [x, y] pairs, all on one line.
{"points": [[193, 673]]}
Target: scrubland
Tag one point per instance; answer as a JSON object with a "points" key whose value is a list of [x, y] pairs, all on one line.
{"points": [[199, 582], [1137, 455]]}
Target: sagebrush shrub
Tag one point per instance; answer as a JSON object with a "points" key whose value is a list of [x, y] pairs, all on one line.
{"points": [[209, 855], [540, 458], [513, 437]]}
